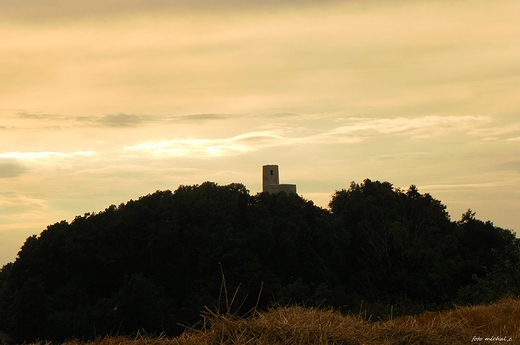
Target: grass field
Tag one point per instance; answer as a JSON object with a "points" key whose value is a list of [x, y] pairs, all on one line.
{"points": [[498, 323]]}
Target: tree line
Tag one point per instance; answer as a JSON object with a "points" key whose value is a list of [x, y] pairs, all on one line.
{"points": [[155, 263]]}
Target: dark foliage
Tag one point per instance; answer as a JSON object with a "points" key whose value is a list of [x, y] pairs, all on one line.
{"points": [[155, 263]]}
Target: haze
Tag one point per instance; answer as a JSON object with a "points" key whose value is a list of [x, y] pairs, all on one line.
{"points": [[101, 103]]}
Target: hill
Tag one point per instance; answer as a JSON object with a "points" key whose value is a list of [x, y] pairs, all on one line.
{"points": [[154, 263]]}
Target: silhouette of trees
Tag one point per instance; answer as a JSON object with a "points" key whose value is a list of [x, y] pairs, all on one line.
{"points": [[492, 260], [156, 262], [400, 244]]}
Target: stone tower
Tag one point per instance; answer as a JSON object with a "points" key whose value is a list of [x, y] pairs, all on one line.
{"points": [[270, 176], [271, 181]]}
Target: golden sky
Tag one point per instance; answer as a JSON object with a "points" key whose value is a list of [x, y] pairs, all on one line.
{"points": [[101, 103]]}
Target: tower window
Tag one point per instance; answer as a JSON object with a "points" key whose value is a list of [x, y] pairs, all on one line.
{"points": [[271, 172]]}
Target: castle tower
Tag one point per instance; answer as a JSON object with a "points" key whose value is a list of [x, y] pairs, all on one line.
{"points": [[271, 181], [270, 176]]}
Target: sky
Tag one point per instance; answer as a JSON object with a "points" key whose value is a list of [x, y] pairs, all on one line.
{"points": [[103, 102]]}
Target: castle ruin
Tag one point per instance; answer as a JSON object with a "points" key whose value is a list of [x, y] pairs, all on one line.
{"points": [[271, 181]]}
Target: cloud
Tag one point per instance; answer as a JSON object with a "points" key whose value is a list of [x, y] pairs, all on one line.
{"points": [[120, 120], [123, 120], [201, 117], [38, 116], [332, 58], [63, 9], [33, 155], [355, 130], [10, 199], [473, 186], [193, 147], [43, 155], [421, 127], [497, 131], [200, 147], [10, 168]]}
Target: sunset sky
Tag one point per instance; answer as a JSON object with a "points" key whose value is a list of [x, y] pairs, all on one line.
{"points": [[101, 103]]}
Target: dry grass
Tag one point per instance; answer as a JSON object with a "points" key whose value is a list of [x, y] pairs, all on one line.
{"points": [[311, 326]]}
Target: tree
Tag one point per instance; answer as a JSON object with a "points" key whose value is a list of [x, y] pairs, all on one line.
{"points": [[158, 261], [400, 244], [491, 260]]}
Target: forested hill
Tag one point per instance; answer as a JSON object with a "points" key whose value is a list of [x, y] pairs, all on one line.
{"points": [[156, 262]]}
